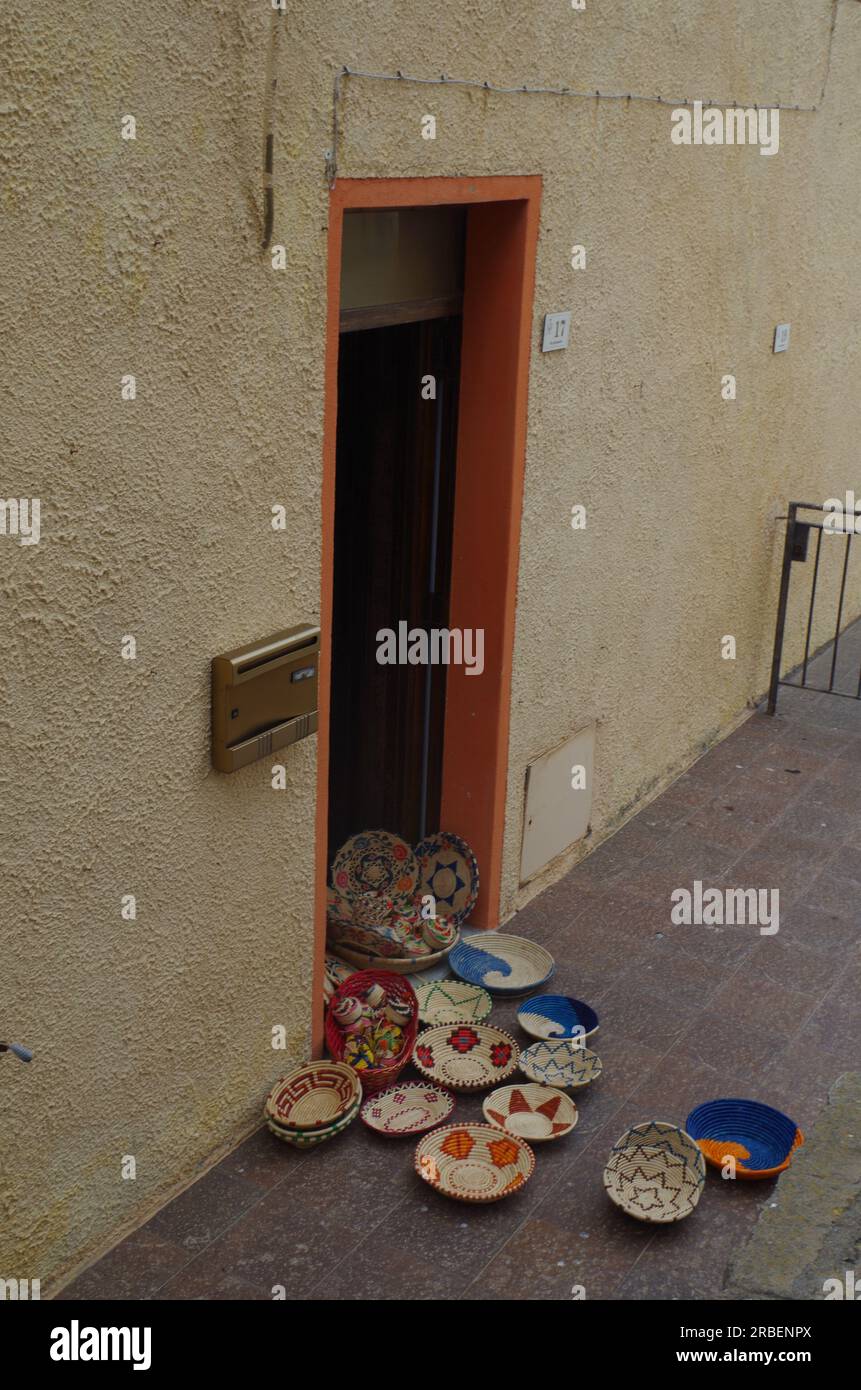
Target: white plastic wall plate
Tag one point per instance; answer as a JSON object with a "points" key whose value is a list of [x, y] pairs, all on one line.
{"points": [[557, 814], [557, 329], [781, 337]]}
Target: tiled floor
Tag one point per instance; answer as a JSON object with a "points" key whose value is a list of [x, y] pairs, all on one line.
{"points": [[687, 1013]]}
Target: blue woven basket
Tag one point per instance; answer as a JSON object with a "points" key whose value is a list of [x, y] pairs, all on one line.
{"points": [[557, 1016], [767, 1136]]}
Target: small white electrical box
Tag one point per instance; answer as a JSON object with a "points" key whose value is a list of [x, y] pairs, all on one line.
{"points": [[557, 328], [781, 338]]}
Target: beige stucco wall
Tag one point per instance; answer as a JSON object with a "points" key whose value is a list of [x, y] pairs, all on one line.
{"points": [[152, 1037]]}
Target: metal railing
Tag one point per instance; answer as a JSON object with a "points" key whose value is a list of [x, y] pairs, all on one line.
{"points": [[795, 550]]}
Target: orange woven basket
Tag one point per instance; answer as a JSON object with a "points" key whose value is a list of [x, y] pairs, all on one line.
{"points": [[397, 987]]}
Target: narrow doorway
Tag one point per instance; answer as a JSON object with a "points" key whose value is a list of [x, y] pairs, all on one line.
{"points": [[398, 376]]}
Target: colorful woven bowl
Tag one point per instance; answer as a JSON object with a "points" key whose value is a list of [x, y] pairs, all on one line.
{"points": [[474, 1163], [375, 862], [655, 1172], [760, 1139], [502, 964], [408, 1109], [536, 1113], [363, 959], [448, 871], [560, 1064], [313, 1096], [310, 1138], [452, 1001], [375, 1078], [465, 1056], [557, 1016]]}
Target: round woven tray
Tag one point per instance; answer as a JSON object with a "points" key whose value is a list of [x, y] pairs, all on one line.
{"points": [[655, 1172], [465, 1056], [399, 965], [761, 1139], [407, 1109], [309, 1138], [557, 1016], [474, 1163], [535, 1113], [314, 1096], [448, 871], [452, 1001], [560, 1064], [375, 861], [502, 964]]}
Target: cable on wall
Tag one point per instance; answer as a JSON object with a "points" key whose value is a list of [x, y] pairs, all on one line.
{"points": [[444, 80], [269, 127]]}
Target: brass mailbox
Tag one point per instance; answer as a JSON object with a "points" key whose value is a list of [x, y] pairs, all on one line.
{"points": [[264, 696]]}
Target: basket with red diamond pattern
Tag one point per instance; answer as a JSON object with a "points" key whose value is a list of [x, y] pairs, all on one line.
{"points": [[397, 988], [466, 1056]]}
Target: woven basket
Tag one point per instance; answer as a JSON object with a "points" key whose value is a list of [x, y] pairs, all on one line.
{"points": [[310, 1138], [655, 1172], [534, 1113], [502, 964], [474, 1163], [560, 1064], [314, 1096], [556, 1016], [761, 1139], [452, 1001], [466, 1056], [398, 965], [377, 1078], [407, 1109]]}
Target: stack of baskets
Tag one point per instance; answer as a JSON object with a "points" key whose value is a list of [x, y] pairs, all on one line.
{"points": [[313, 1103]]}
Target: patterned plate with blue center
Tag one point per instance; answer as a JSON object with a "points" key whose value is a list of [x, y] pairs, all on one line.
{"points": [[557, 1016], [448, 870]]}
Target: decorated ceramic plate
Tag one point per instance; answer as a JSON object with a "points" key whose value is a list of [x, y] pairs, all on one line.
{"points": [[502, 964], [448, 870], [407, 1109], [557, 1016], [465, 1056], [560, 1064], [474, 1163], [375, 862], [535, 1113], [453, 1001]]}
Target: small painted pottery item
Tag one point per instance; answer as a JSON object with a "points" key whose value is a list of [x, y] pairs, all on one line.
{"points": [[378, 862], [386, 1041], [375, 996], [358, 1053], [655, 1172], [562, 1064], [474, 1163], [399, 1011], [408, 1109], [452, 1001], [346, 1011], [557, 1016], [448, 871], [439, 932], [759, 1138], [535, 1113], [313, 1096], [466, 1057], [502, 964]]}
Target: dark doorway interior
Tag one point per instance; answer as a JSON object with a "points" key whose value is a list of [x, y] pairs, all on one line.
{"points": [[394, 505]]}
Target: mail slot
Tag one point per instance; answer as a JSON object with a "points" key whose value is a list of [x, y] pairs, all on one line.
{"points": [[264, 696]]}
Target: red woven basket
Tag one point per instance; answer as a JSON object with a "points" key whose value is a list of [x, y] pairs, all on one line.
{"points": [[396, 987]]}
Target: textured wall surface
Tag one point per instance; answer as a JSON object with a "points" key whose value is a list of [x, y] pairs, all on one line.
{"points": [[152, 1037]]}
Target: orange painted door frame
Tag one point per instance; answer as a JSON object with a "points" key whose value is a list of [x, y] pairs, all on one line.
{"points": [[501, 242]]}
